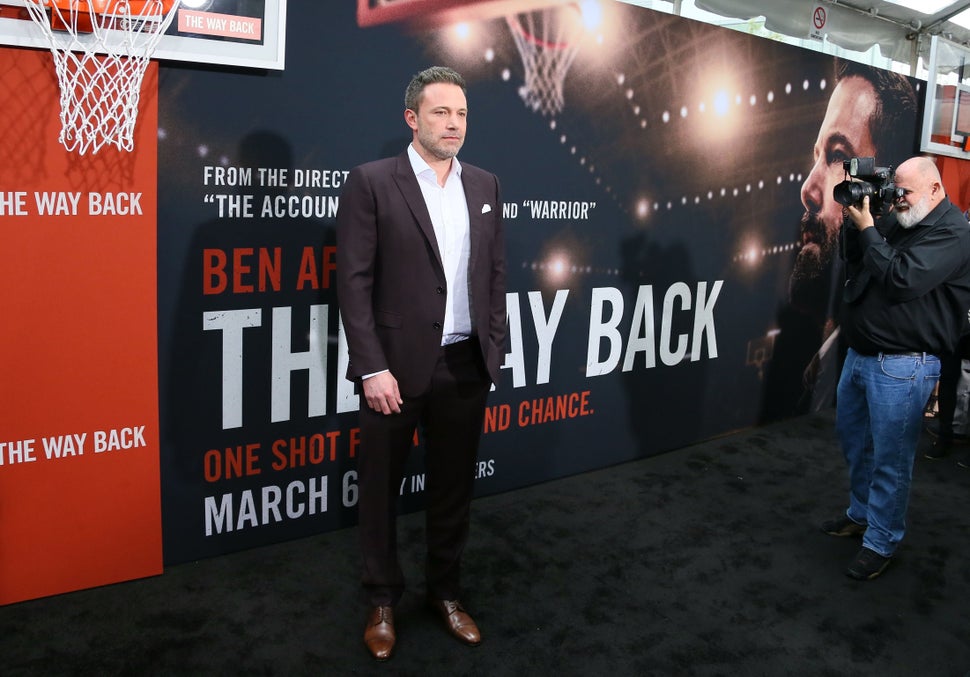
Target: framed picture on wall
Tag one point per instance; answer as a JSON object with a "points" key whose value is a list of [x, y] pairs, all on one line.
{"points": [[245, 33], [946, 117]]}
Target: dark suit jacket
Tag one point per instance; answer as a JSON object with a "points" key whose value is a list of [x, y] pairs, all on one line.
{"points": [[390, 280]]}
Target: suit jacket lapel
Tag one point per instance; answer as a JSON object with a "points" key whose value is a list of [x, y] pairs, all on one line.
{"points": [[475, 203], [407, 182]]}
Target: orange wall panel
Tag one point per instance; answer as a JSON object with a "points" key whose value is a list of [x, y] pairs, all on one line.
{"points": [[79, 469]]}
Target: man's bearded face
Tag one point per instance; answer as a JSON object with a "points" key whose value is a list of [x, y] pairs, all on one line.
{"points": [[913, 213], [843, 134], [809, 279]]}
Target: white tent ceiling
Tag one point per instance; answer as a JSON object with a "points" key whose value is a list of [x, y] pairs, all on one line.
{"points": [[855, 24]]}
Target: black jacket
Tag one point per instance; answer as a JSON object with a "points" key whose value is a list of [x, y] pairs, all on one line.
{"points": [[908, 290]]}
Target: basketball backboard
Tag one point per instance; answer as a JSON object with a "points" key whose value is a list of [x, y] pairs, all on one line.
{"points": [[246, 33], [433, 12], [548, 34]]}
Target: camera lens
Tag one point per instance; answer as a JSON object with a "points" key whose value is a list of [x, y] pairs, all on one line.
{"points": [[851, 192]]}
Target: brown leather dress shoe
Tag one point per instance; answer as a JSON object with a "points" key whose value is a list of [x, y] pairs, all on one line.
{"points": [[379, 632], [457, 620]]}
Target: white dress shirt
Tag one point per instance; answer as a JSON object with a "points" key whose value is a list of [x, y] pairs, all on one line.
{"points": [[449, 216]]}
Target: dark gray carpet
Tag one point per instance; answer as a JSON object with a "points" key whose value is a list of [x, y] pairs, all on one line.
{"points": [[703, 561]]}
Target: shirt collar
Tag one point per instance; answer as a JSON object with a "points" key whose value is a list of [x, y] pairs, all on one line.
{"points": [[420, 166], [935, 214]]}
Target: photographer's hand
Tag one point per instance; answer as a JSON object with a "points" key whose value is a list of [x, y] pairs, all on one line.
{"points": [[860, 215]]}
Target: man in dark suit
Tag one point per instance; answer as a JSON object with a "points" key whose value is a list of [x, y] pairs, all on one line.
{"points": [[421, 287]]}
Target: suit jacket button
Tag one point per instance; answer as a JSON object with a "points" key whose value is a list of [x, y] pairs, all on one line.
{"points": [[440, 290], [437, 325]]}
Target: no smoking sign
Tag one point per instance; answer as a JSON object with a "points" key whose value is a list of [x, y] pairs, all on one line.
{"points": [[819, 19]]}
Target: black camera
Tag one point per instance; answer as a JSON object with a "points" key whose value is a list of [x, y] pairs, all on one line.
{"points": [[876, 182]]}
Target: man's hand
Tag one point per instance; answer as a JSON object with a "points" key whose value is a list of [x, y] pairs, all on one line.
{"points": [[860, 215], [382, 394]]}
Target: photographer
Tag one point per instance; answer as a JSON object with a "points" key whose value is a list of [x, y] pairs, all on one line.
{"points": [[905, 302]]}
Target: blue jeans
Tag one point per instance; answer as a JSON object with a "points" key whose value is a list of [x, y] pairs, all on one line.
{"points": [[879, 415]]}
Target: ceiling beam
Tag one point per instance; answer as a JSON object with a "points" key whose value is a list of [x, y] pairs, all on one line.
{"points": [[869, 12], [954, 10]]}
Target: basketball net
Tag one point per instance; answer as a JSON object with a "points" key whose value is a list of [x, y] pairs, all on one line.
{"points": [[548, 41], [101, 51]]}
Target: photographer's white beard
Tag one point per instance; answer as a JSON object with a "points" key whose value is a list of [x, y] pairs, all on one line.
{"points": [[916, 213]]}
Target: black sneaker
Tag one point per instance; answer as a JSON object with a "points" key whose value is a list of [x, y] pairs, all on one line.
{"points": [[843, 526], [867, 564], [941, 449]]}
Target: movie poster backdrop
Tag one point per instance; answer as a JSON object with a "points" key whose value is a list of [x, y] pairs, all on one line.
{"points": [[652, 225]]}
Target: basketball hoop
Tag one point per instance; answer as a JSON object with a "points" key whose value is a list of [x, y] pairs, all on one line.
{"points": [[548, 41], [101, 50]]}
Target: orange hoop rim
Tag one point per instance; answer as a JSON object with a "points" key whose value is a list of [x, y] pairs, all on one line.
{"points": [[106, 6]]}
